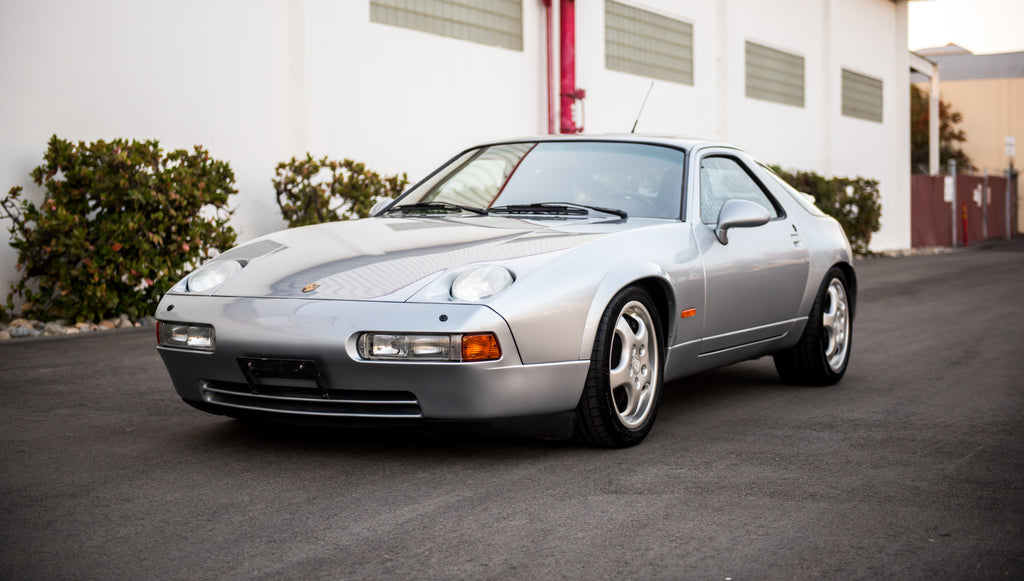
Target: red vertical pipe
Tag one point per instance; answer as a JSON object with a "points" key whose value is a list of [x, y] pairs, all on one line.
{"points": [[550, 48], [567, 53]]}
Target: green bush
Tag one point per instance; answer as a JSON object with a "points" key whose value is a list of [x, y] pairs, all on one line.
{"points": [[852, 201], [313, 191], [119, 224]]}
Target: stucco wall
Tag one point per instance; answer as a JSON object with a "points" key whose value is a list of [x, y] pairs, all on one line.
{"points": [[992, 109]]}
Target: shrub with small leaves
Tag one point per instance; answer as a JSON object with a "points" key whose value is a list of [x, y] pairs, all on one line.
{"points": [[120, 223], [313, 191], [853, 202]]}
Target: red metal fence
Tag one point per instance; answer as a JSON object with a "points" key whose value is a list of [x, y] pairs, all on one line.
{"points": [[980, 215]]}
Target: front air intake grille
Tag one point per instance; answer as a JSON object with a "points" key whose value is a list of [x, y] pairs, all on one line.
{"points": [[306, 400]]}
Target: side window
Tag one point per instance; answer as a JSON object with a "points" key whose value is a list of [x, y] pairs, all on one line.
{"points": [[723, 179]]}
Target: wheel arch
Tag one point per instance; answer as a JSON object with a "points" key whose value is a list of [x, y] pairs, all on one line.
{"points": [[851, 282], [651, 279]]}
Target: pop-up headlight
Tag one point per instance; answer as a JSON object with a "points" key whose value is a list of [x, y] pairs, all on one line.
{"points": [[217, 271], [481, 282], [212, 274]]}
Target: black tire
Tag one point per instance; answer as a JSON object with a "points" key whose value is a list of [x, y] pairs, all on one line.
{"points": [[614, 416], [823, 352]]}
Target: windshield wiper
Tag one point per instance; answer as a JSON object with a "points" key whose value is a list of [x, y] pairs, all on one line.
{"points": [[561, 208], [428, 206]]}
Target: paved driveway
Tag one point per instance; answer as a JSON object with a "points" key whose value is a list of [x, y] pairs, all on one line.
{"points": [[911, 468]]}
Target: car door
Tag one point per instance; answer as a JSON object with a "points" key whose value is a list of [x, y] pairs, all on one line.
{"points": [[755, 281]]}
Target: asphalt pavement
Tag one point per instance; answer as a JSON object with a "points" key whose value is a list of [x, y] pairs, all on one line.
{"points": [[911, 468]]}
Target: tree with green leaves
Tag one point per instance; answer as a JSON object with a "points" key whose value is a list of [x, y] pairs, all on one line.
{"points": [[950, 136]]}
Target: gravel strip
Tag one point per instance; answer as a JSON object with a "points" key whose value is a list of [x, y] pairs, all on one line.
{"points": [[28, 328]]}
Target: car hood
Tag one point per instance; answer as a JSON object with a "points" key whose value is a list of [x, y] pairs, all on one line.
{"points": [[392, 258]]}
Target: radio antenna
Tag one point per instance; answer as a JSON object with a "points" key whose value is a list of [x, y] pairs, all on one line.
{"points": [[642, 105]]}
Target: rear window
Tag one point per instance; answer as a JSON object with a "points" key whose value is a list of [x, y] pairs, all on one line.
{"points": [[805, 200]]}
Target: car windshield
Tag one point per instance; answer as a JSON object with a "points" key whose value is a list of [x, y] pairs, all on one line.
{"points": [[638, 179]]}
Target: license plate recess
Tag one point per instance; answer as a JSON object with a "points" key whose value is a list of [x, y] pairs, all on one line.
{"points": [[272, 376]]}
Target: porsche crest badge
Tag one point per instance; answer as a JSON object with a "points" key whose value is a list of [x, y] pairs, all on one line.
{"points": [[310, 287]]}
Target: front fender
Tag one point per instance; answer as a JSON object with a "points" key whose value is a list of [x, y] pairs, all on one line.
{"points": [[554, 311], [616, 279]]}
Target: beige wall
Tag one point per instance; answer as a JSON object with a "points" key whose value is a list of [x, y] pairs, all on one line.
{"points": [[992, 109]]}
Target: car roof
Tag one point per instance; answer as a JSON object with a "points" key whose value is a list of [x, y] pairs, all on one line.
{"points": [[685, 143]]}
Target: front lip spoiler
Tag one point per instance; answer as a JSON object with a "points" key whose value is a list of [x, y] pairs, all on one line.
{"points": [[556, 426]]}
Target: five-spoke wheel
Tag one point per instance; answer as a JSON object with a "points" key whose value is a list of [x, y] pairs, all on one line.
{"points": [[821, 355], [835, 321], [623, 387], [631, 372]]}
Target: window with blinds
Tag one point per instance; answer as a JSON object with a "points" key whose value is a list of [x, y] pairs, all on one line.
{"points": [[773, 75], [643, 43], [491, 22], [862, 96]]}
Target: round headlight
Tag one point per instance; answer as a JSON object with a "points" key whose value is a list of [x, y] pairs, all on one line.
{"points": [[212, 275], [481, 282]]}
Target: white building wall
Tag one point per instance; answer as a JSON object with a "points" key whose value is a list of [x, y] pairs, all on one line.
{"points": [[865, 36], [776, 133], [185, 72], [874, 43], [257, 82], [403, 100], [614, 98]]}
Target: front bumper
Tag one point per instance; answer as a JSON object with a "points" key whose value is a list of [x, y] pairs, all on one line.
{"points": [[280, 332]]}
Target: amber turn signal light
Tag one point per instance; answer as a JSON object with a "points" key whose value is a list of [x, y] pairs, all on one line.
{"points": [[482, 347]]}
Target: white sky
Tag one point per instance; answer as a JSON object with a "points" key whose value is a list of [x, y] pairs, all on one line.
{"points": [[981, 26]]}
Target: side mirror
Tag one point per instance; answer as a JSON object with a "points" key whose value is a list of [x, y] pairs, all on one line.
{"points": [[379, 205], [739, 214]]}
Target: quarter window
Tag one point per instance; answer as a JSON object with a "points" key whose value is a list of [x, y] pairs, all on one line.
{"points": [[723, 179]]}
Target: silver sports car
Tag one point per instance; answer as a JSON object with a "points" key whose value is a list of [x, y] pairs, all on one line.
{"points": [[557, 279]]}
